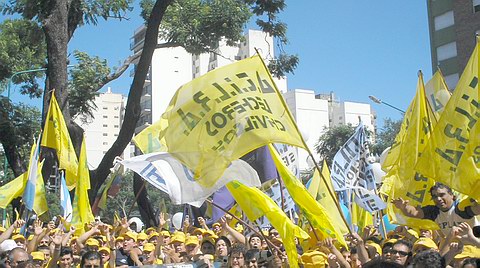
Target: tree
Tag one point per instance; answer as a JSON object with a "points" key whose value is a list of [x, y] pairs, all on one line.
{"points": [[59, 19], [386, 136], [332, 140]]}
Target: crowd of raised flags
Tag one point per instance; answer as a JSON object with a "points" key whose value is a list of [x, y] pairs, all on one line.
{"points": [[421, 213]]}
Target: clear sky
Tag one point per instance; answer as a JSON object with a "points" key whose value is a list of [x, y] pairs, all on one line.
{"points": [[353, 48]]}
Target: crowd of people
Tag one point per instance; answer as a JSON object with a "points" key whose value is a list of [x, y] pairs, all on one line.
{"points": [[123, 243]]}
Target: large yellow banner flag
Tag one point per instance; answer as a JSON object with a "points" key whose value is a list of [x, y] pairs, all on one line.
{"points": [[12, 190], [408, 184], [82, 212], [220, 117], [55, 135], [452, 155], [316, 214], [437, 93], [256, 204]]}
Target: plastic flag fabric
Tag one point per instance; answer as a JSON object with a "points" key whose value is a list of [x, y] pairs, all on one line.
{"points": [[452, 154], [221, 116], [258, 204], [65, 201], [56, 136], [167, 174]]}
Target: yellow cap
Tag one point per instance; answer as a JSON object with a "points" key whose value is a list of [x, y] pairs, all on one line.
{"points": [[149, 230], [30, 237], [148, 247], [198, 231], [375, 245], [177, 238], [468, 252], [209, 239], [104, 249], [152, 234], [92, 242], [2, 229], [208, 232], [18, 237], [191, 240], [314, 258], [119, 239], [216, 224], [142, 236], [131, 235], [38, 256], [165, 233], [413, 232], [426, 242]]}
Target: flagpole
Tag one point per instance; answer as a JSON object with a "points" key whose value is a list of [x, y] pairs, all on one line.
{"points": [[136, 198], [246, 224], [303, 141]]}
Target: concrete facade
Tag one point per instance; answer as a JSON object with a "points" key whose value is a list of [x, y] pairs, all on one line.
{"points": [[453, 26]]}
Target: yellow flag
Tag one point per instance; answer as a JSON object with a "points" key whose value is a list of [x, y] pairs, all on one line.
{"points": [[437, 93], [82, 212], [361, 217], [316, 214], [221, 116], [12, 190], [259, 204], [40, 202], [55, 135], [452, 155], [408, 184]]}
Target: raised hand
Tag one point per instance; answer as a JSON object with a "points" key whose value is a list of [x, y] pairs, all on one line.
{"points": [[400, 203], [37, 227], [18, 223], [161, 220]]}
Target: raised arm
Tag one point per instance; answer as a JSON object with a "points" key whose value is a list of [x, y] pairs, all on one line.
{"points": [[407, 209]]}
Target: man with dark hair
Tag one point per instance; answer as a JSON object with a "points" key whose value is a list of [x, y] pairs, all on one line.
{"points": [[446, 212], [237, 256], [66, 258], [428, 259], [91, 259], [251, 256], [401, 252]]}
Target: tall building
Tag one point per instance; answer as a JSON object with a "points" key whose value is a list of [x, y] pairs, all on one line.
{"points": [[102, 129], [173, 67], [453, 26]]}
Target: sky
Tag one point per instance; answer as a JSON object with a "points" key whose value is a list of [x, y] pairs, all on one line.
{"points": [[353, 48]]}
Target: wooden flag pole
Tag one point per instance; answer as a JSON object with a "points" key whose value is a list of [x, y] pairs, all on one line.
{"points": [[304, 143]]}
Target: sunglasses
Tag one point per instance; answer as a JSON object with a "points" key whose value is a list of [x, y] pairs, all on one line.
{"points": [[399, 252]]}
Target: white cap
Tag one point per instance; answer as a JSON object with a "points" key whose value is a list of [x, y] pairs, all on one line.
{"points": [[7, 245]]}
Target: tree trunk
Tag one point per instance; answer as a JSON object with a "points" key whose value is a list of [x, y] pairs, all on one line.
{"points": [[144, 206], [132, 110]]}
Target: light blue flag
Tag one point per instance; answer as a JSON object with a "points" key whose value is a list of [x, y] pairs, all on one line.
{"points": [[29, 193], [65, 201]]}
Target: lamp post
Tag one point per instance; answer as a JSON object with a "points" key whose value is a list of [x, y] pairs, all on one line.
{"points": [[379, 101]]}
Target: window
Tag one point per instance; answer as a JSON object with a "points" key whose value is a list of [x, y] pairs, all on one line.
{"points": [[105, 143], [105, 125], [451, 80], [105, 108], [443, 21], [116, 135], [116, 116], [447, 51], [476, 5], [105, 134], [116, 108], [105, 116], [115, 126]]}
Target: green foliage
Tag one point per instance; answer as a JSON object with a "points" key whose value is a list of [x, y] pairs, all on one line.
{"points": [[386, 136], [86, 11], [22, 47], [199, 25], [332, 140], [53, 201], [283, 64], [86, 77]]}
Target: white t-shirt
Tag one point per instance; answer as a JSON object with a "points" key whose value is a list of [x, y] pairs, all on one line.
{"points": [[448, 219]]}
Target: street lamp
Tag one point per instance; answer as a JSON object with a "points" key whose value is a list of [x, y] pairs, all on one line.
{"points": [[379, 101]]}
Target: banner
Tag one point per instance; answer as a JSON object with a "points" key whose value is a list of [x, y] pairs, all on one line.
{"points": [[32, 175], [221, 116], [405, 182], [352, 170], [167, 174], [452, 154], [437, 94]]}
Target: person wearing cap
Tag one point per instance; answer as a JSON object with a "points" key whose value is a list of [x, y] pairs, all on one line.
{"points": [[152, 237], [92, 244], [191, 246], [8, 233], [129, 253], [198, 232], [105, 253], [141, 238], [38, 259], [208, 246], [148, 254], [166, 237], [423, 244], [446, 211], [176, 248], [217, 228], [46, 252], [20, 240]]}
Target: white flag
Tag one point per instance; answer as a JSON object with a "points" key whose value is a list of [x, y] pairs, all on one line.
{"points": [[169, 175], [352, 169], [65, 201]]}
